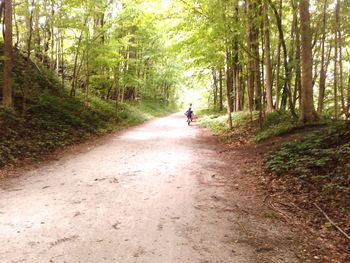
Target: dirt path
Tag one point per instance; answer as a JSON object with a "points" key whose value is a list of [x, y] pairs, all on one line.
{"points": [[160, 192]]}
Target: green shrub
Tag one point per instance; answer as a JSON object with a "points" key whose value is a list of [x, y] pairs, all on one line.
{"points": [[275, 124], [323, 155]]}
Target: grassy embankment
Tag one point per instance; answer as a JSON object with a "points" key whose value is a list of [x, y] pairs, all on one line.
{"points": [[53, 120], [311, 163]]}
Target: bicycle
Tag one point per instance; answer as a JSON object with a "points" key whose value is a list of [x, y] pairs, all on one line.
{"points": [[189, 114], [189, 120]]}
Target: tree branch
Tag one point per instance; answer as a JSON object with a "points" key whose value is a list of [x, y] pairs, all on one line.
{"points": [[332, 222]]}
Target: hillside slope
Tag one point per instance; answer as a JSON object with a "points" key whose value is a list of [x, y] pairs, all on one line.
{"points": [[51, 119], [304, 170]]}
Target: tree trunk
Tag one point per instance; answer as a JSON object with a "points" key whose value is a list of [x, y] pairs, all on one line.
{"points": [[30, 35], [29, 50], [87, 76], [336, 44], [255, 52], [340, 43], [16, 24], [229, 86], [215, 88], [62, 57], [267, 64], [36, 29], [239, 95], [221, 106], [8, 56], [347, 113], [74, 77], [57, 59], [307, 111], [286, 85], [297, 86], [278, 86], [52, 29], [251, 64], [322, 83]]}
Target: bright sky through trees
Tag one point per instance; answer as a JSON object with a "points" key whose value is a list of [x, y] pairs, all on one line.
{"points": [[244, 55]]}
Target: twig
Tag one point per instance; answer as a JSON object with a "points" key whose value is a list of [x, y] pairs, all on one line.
{"points": [[289, 206], [242, 226], [332, 222], [275, 209], [266, 197]]}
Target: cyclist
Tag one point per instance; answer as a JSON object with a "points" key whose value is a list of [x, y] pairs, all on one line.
{"points": [[189, 114]]}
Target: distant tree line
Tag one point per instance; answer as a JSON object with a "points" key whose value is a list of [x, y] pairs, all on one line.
{"points": [[108, 48], [268, 55]]}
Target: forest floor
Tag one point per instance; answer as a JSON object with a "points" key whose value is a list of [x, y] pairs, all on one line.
{"points": [[158, 192]]}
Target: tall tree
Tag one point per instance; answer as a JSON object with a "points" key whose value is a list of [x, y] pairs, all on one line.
{"points": [[307, 110], [323, 71], [267, 62], [8, 56]]}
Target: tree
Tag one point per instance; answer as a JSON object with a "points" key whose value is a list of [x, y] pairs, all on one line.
{"points": [[8, 56], [267, 62], [307, 110], [323, 71]]}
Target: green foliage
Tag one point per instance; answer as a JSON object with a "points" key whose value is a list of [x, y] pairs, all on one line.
{"points": [[134, 113], [321, 157], [216, 122], [53, 122], [51, 119], [275, 124]]}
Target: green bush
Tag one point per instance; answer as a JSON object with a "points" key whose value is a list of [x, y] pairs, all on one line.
{"points": [[275, 124], [217, 123], [323, 155]]}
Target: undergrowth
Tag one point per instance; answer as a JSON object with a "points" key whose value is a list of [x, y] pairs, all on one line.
{"points": [[217, 123], [317, 169], [54, 122], [276, 124], [312, 168], [52, 119], [307, 159]]}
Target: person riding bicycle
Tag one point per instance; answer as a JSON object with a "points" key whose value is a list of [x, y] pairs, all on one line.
{"points": [[189, 114]]}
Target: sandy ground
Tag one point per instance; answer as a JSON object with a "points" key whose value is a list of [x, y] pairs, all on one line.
{"points": [[159, 192]]}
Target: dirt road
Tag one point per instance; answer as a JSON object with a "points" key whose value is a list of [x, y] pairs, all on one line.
{"points": [[159, 192]]}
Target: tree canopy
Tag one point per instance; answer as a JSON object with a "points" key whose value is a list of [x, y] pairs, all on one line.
{"points": [[253, 55]]}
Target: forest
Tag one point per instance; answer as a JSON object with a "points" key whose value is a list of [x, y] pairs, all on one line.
{"points": [[261, 55], [255, 70]]}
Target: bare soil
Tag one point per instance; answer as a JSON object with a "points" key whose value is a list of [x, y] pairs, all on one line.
{"points": [[159, 192]]}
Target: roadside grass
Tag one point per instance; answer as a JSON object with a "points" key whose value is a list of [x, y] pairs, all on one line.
{"points": [[307, 164], [137, 112], [52, 119], [329, 147], [321, 152], [276, 124], [216, 122], [53, 122], [317, 170]]}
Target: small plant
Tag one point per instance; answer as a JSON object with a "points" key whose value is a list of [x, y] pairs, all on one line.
{"points": [[322, 156], [275, 124]]}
